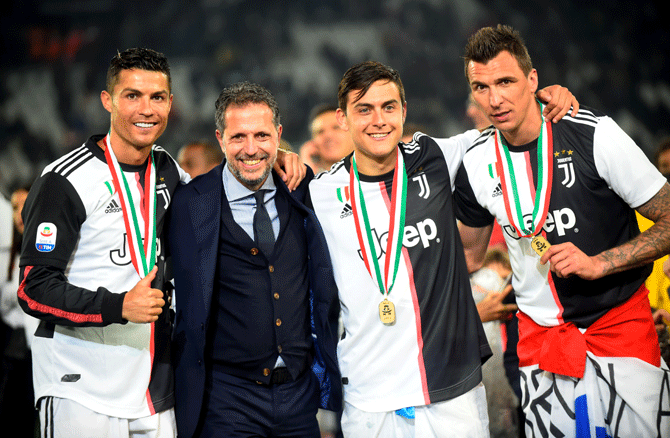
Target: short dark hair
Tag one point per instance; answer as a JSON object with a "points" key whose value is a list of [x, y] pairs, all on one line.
{"points": [[662, 147], [240, 94], [361, 77], [495, 255], [321, 108], [488, 42], [212, 152], [137, 58]]}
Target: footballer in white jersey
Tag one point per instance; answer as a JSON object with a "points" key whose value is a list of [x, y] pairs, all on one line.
{"points": [[434, 350], [77, 257]]}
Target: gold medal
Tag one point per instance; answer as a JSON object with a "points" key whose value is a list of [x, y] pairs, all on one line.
{"points": [[539, 244], [387, 312]]}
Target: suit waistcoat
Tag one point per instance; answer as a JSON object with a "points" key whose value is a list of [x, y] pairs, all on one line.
{"points": [[261, 303]]}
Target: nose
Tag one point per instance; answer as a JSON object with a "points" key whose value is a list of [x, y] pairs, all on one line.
{"points": [[250, 147], [378, 119], [145, 107], [495, 98]]}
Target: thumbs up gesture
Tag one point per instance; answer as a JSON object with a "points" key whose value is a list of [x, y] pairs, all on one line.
{"points": [[143, 304]]}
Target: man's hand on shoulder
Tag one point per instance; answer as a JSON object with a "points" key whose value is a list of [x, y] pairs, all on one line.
{"points": [[290, 168], [558, 101]]}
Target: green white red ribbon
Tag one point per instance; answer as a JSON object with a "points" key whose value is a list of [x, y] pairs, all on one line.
{"points": [[516, 190], [385, 280], [142, 254]]}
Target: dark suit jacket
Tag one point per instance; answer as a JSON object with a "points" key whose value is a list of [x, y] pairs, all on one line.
{"points": [[193, 237]]}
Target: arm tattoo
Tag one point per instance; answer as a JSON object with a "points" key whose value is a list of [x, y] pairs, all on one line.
{"points": [[648, 246]]}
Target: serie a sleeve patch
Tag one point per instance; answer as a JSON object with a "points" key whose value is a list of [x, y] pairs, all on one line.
{"points": [[45, 240]]}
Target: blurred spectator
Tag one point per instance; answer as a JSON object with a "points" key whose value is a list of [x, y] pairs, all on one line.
{"points": [[475, 114], [409, 129], [199, 157], [330, 141], [490, 285], [16, 385], [658, 281], [309, 154], [662, 158]]}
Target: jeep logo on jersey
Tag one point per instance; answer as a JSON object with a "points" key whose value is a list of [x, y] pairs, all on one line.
{"points": [[121, 256], [45, 240], [423, 232], [558, 220], [424, 188]]}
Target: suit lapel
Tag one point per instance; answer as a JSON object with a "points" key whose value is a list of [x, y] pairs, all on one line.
{"points": [[204, 211]]}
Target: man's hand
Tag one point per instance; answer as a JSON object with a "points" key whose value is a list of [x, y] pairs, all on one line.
{"points": [[566, 259], [143, 304], [558, 102], [491, 308], [290, 168]]}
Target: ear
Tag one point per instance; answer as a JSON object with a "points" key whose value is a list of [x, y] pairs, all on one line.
{"points": [[404, 112], [106, 100], [219, 138], [532, 78], [279, 131], [341, 119]]}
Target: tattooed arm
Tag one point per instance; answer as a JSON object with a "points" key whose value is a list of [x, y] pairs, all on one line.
{"points": [[566, 259]]}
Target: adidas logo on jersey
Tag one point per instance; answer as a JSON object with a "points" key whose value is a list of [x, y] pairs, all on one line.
{"points": [[497, 191], [346, 211], [343, 196], [113, 207]]}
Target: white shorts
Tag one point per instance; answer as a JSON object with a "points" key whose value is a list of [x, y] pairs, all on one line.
{"points": [[465, 416], [63, 418]]}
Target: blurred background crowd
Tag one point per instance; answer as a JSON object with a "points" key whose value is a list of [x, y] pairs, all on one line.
{"points": [[613, 55]]}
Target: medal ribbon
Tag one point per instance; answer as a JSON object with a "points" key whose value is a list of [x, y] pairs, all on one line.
{"points": [[139, 252], [396, 225], [545, 165]]}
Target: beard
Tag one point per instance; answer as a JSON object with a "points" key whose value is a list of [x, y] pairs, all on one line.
{"points": [[248, 181]]}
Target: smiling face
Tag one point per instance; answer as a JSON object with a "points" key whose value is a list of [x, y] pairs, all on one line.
{"points": [[375, 123], [250, 141], [139, 106], [507, 96]]}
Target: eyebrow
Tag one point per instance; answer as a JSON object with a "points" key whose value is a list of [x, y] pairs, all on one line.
{"points": [[136, 91], [364, 104]]}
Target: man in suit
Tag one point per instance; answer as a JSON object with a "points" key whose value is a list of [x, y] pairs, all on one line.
{"points": [[246, 362]]}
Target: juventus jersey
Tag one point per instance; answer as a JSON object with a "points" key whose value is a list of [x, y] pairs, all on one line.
{"points": [[599, 176], [76, 268], [435, 349]]}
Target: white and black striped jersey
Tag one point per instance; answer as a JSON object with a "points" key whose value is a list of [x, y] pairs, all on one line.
{"points": [[435, 349], [599, 176], [75, 270]]}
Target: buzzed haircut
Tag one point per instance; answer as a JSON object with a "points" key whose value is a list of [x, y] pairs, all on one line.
{"points": [[137, 58], [488, 42], [241, 94], [360, 78]]}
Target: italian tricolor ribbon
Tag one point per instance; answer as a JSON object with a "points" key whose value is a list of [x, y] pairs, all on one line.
{"points": [[143, 255], [520, 192], [384, 280]]}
